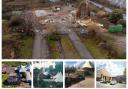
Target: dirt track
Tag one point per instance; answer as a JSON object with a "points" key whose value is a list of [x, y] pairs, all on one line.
{"points": [[87, 83]]}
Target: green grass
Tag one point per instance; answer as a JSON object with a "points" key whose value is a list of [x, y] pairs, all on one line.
{"points": [[91, 44], [97, 52], [8, 48], [4, 86], [15, 64], [69, 50], [54, 49], [6, 37], [4, 79], [26, 48]]}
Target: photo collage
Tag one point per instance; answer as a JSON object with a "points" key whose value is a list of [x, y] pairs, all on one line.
{"points": [[63, 44]]}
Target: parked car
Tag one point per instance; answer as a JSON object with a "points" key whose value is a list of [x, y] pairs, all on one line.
{"points": [[113, 82], [84, 32]]}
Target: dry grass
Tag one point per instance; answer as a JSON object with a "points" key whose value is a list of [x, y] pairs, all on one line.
{"points": [[69, 50]]}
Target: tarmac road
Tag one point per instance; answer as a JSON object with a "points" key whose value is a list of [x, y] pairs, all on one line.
{"points": [[40, 48], [37, 46], [82, 50]]}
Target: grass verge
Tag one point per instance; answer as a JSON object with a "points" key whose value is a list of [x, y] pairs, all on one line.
{"points": [[69, 50]]}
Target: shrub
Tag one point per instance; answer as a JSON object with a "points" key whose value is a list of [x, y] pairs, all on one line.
{"points": [[15, 21], [102, 14], [54, 36], [21, 25], [6, 16], [122, 22], [4, 77], [116, 15]]}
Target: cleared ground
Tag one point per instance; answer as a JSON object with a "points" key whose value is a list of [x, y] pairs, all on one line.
{"points": [[87, 83], [101, 85]]}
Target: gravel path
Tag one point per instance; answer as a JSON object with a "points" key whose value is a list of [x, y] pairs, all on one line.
{"points": [[87, 83], [82, 50]]}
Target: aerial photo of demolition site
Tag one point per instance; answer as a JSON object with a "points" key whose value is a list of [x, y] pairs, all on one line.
{"points": [[79, 74], [48, 74], [16, 74], [111, 74], [64, 29]]}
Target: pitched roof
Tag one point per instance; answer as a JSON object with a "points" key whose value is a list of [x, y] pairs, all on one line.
{"points": [[58, 77], [87, 65]]}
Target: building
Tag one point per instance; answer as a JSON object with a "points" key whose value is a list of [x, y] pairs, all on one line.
{"points": [[104, 75], [86, 69], [83, 11], [87, 65]]}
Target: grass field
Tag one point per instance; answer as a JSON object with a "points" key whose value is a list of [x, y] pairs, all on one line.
{"points": [[97, 52], [67, 48], [26, 48]]}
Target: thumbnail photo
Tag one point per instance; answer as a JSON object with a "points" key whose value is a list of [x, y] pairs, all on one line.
{"points": [[79, 74], [111, 74], [16, 74], [48, 74]]}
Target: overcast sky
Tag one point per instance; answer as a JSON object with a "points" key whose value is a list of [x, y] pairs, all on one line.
{"points": [[74, 63], [115, 68]]}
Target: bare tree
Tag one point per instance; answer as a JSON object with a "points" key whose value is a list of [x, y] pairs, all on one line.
{"points": [[31, 21]]}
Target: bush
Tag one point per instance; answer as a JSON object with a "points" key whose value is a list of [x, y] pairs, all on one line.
{"points": [[6, 16], [15, 64], [87, 73], [4, 77], [19, 24], [116, 15], [54, 36], [15, 21], [122, 22], [102, 14]]}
